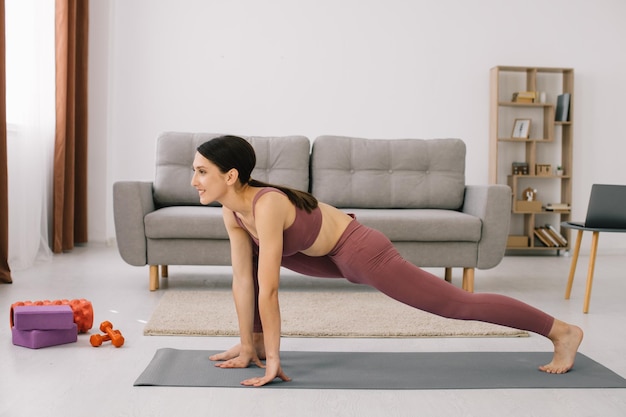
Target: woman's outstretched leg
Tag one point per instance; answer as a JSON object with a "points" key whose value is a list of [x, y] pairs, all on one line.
{"points": [[366, 256]]}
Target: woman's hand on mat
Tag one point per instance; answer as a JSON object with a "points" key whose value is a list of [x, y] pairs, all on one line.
{"points": [[273, 370]]}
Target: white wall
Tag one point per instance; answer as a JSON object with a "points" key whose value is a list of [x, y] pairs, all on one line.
{"points": [[371, 68]]}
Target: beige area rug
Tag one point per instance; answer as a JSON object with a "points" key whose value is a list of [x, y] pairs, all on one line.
{"points": [[312, 314]]}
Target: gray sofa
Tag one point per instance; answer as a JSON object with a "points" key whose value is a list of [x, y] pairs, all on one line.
{"points": [[412, 190]]}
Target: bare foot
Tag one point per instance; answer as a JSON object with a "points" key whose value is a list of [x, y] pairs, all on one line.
{"points": [[566, 339], [234, 351], [231, 353]]}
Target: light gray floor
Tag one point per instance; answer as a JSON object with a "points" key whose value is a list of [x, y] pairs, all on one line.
{"points": [[79, 380]]}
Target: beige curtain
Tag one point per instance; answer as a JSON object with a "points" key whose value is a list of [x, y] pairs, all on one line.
{"points": [[5, 271], [70, 154]]}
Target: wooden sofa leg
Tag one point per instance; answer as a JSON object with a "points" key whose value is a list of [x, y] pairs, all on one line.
{"points": [[448, 276], [164, 272], [154, 277], [468, 279]]}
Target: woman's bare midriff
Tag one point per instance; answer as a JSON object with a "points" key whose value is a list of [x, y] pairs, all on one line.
{"points": [[334, 223]]}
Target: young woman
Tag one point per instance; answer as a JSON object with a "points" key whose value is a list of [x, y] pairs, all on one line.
{"points": [[270, 226]]}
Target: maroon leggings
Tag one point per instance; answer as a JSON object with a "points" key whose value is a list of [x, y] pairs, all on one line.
{"points": [[366, 256]]}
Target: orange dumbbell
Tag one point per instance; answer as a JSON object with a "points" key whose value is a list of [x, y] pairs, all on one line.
{"points": [[97, 339], [115, 336]]}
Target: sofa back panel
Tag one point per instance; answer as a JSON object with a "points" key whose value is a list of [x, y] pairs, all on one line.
{"points": [[280, 160], [388, 173]]}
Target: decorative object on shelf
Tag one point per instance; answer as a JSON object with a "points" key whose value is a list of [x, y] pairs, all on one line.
{"points": [[524, 97], [517, 241], [529, 202], [542, 97], [521, 129], [562, 107], [559, 170], [520, 168], [525, 206], [543, 169], [529, 194]]}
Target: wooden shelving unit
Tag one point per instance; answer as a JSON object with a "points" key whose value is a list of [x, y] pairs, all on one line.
{"points": [[549, 143]]}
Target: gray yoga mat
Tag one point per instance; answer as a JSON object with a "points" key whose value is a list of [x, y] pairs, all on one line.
{"points": [[383, 370]]}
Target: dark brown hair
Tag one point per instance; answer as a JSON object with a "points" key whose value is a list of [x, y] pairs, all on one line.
{"points": [[228, 152]]}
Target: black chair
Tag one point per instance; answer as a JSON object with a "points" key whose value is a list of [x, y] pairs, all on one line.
{"points": [[606, 213]]}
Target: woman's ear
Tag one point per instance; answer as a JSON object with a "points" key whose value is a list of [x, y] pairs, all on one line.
{"points": [[232, 176]]}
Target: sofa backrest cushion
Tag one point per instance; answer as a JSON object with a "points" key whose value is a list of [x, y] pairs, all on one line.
{"points": [[388, 173], [280, 160]]}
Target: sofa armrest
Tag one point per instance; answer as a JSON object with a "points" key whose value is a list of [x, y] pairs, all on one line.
{"points": [[492, 204], [132, 200]]}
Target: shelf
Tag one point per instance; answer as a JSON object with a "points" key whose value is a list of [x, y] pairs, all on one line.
{"points": [[557, 137], [539, 140], [516, 104], [539, 248], [540, 176], [542, 212], [514, 68]]}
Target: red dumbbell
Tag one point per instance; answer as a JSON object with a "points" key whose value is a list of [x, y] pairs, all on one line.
{"points": [[115, 336]]}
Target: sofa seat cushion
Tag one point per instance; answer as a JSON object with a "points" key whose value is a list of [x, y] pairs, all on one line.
{"points": [[399, 225], [186, 222], [421, 225]]}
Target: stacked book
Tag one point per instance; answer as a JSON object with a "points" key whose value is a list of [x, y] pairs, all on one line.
{"points": [[550, 237], [524, 97], [557, 207]]}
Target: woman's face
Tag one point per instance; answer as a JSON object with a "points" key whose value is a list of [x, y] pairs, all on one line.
{"points": [[210, 182]]}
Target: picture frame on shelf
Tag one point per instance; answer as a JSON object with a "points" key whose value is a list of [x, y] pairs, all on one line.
{"points": [[521, 129]]}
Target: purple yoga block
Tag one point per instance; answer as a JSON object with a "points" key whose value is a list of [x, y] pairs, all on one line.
{"points": [[36, 339], [50, 317]]}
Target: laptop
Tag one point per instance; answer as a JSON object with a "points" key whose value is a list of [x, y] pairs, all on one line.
{"points": [[607, 208]]}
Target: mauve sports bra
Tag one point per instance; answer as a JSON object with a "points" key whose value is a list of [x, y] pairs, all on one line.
{"points": [[300, 235]]}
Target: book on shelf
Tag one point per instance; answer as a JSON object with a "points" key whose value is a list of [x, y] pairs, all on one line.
{"points": [[550, 237], [556, 235], [553, 242], [557, 207], [524, 97], [539, 233], [562, 107]]}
